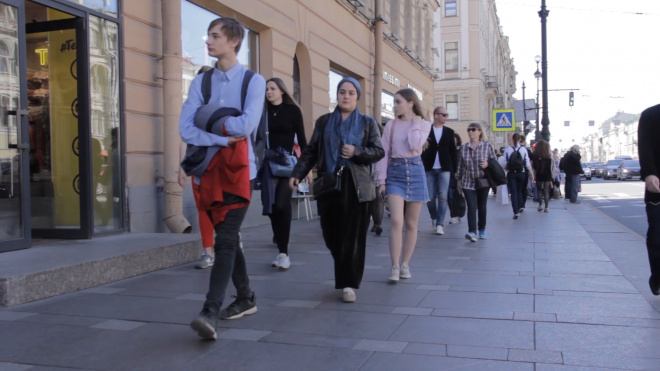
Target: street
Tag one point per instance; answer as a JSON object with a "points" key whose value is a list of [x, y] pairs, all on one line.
{"points": [[621, 201]]}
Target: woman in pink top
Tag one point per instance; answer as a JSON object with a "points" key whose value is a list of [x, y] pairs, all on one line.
{"points": [[401, 177]]}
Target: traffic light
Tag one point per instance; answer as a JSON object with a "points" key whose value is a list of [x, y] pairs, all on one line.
{"points": [[570, 99]]}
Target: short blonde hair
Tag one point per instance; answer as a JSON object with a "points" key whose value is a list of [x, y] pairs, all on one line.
{"points": [[478, 127]]}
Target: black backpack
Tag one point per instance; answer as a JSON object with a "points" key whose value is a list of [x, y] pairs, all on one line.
{"points": [[515, 161]]}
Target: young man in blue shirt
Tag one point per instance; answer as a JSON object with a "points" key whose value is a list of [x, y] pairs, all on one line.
{"points": [[224, 41]]}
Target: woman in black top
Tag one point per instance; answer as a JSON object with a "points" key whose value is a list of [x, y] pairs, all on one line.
{"points": [[284, 122], [542, 164]]}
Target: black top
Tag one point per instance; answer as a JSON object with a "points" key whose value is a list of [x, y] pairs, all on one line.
{"points": [[446, 147], [542, 168], [648, 136], [284, 122], [570, 163]]}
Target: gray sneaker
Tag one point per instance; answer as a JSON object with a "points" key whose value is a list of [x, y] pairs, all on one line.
{"points": [[205, 262]]}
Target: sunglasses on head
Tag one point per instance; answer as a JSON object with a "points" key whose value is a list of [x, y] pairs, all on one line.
{"points": [[472, 129]]}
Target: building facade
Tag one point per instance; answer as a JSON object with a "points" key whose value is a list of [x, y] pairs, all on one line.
{"points": [[86, 138], [473, 70]]}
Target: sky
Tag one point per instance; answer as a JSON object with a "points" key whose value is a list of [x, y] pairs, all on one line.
{"points": [[607, 49]]}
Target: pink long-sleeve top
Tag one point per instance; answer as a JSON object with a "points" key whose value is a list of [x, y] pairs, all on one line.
{"points": [[401, 139]]}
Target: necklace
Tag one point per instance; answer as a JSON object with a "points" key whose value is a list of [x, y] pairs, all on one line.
{"points": [[275, 111]]}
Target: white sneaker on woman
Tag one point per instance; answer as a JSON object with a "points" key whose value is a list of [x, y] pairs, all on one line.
{"points": [[282, 261], [394, 274], [405, 271]]}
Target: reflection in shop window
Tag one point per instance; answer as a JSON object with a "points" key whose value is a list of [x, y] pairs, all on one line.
{"points": [[105, 6], [106, 164], [195, 21], [335, 78]]}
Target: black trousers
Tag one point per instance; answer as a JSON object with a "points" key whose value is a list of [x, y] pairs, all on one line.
{"points": [[280, 218], [653, 238], [229, 262], [376, 211], [344, 223], [476, 202]]}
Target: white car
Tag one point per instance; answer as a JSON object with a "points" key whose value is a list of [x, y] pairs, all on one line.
{"points": [[587, 171]]}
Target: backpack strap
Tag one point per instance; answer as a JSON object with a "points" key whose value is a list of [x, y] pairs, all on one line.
{"points": [[207, 84]]}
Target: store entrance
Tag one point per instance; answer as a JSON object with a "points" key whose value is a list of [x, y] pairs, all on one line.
{"points": [[54, 77]]}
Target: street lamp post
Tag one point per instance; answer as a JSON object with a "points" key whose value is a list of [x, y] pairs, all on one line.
{"points": [[545, 120], [537, 75]]}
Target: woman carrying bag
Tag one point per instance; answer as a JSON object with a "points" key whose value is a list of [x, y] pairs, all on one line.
{"points": [[344, 145], [283, 123], [472, 183]]}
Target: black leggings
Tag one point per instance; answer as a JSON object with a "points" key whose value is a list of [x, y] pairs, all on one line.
{"points": [[280, 218]]}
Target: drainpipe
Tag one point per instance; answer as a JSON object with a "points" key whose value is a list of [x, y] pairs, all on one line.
{"points": [[172, 98], [378, 59]]}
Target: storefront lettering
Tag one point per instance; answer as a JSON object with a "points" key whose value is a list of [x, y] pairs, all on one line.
{"points": [[391, 79], [68, 45], [418, 92]]}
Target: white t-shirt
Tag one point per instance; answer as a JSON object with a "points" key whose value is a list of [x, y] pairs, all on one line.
{"points": [[438, 135]]}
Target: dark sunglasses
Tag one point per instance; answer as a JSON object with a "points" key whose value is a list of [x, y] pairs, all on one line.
{"points": [[472, 129], [442, 114]]}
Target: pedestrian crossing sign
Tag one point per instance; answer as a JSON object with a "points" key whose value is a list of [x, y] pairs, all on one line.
{"points": [[503, 120]]}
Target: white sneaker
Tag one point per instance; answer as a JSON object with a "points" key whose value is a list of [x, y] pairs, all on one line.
{"points": [[394, 274], [282, 261], [405, 271], [454, 220], [348, 295], [439, 230]]}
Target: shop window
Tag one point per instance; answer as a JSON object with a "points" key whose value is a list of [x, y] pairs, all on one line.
{"points": [[386, 105], [334, 77], [450, 8], [451, 105], [451, 56], [105, 6], [195, 21]]}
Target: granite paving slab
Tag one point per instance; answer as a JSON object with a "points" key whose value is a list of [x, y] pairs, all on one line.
{"points": [[386, 361]]}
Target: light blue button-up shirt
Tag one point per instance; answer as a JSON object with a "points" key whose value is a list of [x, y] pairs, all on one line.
{"points": [[225, 91]]}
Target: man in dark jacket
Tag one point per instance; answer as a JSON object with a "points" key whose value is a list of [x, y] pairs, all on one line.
{"points": [[440, 162], [649, 159], [571, 165]]}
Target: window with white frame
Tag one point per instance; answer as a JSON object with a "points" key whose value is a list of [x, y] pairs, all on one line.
{"points": [[450, 8], [451, 56], [451, 105]]}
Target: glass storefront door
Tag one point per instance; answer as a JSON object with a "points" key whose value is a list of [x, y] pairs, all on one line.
{"points": [[14, 193], [56, 86]]}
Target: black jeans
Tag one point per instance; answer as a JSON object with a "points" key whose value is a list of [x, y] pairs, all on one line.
{"points": [[476, 201], [517, 188], [344, 223], [653, 238], [229, 262], [280, 218]]}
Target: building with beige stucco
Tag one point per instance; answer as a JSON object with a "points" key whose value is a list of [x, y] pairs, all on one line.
{"points": [[95, 87], [473, 69]]}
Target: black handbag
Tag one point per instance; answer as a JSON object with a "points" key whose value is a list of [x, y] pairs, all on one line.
{"points": [[327, 184], [481, 183]]}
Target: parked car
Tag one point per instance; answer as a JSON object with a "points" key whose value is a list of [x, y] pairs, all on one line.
{"points": [[587, 171], [629, 169], [598, 170], [623, 157], [609, 171]]}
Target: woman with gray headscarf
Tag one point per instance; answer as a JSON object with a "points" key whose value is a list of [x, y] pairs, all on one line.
{"points": [[344, 139]]}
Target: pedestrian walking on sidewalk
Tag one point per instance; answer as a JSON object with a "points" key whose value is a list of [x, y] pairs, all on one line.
{"points": [[517, 166], [205, 225], [237, 96], [455, 212], [401, 178], [283, 123], [440, 159], [571, 165], [648, 136], [542, 164], [344, 145], [472, 182]]}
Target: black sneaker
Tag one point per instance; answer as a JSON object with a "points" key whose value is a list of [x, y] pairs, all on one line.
{"points": [[205, 325], [239, 308]]}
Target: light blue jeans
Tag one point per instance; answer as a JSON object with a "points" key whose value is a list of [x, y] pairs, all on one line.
{"points": [[438, 183]]}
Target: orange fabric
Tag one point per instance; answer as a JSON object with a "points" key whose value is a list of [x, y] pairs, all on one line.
{"points": [[228, 171], [205, 225]]}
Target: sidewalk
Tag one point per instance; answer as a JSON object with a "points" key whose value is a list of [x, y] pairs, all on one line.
{"points": [[565, 290]]}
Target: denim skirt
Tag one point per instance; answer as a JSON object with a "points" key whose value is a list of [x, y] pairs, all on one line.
{"points": [[406, 177]]}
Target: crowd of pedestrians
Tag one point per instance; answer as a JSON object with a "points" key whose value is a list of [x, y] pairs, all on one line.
{"points": [[240, 130]]}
